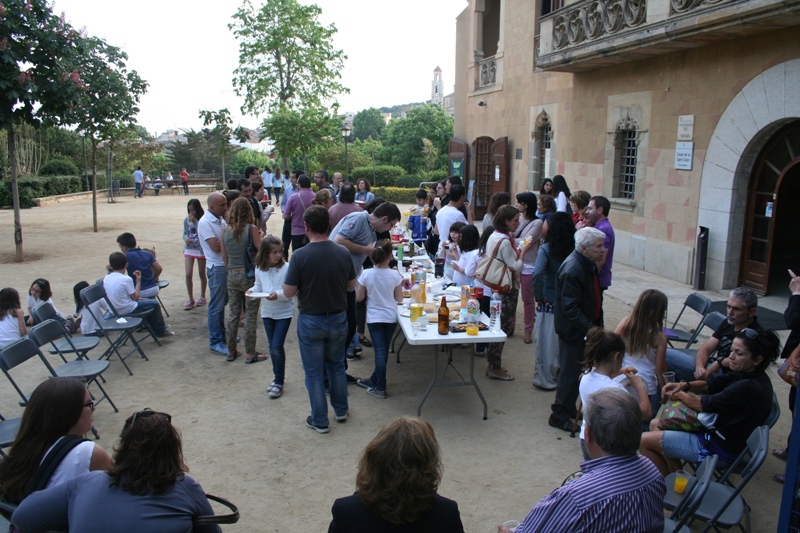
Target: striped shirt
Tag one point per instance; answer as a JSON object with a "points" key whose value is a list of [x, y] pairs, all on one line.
{"points": [[616, 494]]}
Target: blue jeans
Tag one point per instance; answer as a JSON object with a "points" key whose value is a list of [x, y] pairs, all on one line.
{"points": [[276, 335], [321, 338], [680, 363], [138, 190], [218, 298], [381, 333], [155, 318]]}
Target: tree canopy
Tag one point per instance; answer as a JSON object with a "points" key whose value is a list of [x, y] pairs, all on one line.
{"points": [[404, 138], [294, 131], [369, 123], [286, 57]]}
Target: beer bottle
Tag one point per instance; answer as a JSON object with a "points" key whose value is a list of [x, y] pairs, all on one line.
{"points": [[444, 317]]}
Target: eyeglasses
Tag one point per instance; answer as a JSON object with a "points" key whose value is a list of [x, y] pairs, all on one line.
{"points": [[90, 405], [150, 412], [750, 333]]}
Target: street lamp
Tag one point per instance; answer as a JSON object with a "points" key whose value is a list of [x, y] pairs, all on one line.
{"points": [[345, 134]]}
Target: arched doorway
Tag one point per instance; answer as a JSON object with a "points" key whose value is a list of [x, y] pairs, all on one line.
{"points": [[771, 242]]}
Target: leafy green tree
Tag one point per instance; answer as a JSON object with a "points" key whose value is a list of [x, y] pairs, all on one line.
{"points": [[246, 158], [404, 137], [332, 158], [286, 57], [369, 123], [200, 152], [294, 131], [222, 132], [38, 80], [429, 153], [109, 101]]}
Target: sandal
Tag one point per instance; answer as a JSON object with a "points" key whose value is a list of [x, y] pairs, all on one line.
{"points": [[257, 358], [499, 373], [232, 356], [365, 342], [527, 339], [781, 453], [778, 478]]}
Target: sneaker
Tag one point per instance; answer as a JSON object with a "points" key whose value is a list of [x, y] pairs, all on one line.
{"points": [[350, 356], [365, 383], [341, 418], [377, 393], [189, 304], [166, 334], [275, 390], [350, 379], [365, 342], [220, 348], [201, 301], [319, 429], [357, 351]]}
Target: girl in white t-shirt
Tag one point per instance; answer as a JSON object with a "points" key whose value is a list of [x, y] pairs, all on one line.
{"points": [[448, 246], [40, 292], [384, 288], [465, 256], [647, 344], [12, 319], [603, 366], [276, 309]]}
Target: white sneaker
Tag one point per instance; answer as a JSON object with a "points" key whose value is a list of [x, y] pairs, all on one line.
{"points": [[275, 390]]}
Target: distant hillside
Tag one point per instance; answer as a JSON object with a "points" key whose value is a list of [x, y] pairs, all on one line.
{"points": [[397, 110]]}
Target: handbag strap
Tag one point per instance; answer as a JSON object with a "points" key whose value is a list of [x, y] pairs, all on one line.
{"points": [[51, 461]]}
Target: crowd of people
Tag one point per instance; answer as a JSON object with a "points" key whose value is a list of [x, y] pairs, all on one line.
{"points": [[341, 281]]}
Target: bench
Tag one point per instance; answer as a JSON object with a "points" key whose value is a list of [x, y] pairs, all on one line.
{"points": [[207, 182]]}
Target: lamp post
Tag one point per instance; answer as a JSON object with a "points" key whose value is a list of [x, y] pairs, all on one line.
{"points": [[345, 134]]}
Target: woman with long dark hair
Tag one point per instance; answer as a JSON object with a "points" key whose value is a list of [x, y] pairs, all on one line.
{"points": [[237, 237], [398, 476], [59, 408], [561, 194], [12, 318], [547, 187], [559, 243], [146, 489]]}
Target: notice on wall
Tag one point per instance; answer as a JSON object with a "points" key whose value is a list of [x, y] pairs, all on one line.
{"points": [[685, 127], [683, 156], [497, 173], [546, 163]]}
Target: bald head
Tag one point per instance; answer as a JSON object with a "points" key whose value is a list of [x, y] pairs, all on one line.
{"points": [[217, 204]]}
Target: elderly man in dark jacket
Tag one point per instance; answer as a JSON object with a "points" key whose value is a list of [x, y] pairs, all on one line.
{"points": [[578, 308]]}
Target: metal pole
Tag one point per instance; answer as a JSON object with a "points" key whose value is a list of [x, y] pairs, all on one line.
{"points": [[346, 175]]}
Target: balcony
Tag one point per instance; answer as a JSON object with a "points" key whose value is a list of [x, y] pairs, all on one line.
{"points": [[590, 34]]}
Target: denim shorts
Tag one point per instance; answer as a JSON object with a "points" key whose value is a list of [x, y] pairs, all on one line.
{"points": [[682, 445]]}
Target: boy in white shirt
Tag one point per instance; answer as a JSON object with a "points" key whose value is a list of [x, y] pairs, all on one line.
{"points": [[124, 296]]}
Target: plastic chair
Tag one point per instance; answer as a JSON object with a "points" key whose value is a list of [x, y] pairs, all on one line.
{"points": [[50, 331], [712, 320], [229, 518], [775, 414], [698, 303], [162, 284], [723, 505], [106, 327], [8, 432], [688, 503], [80, 346]]}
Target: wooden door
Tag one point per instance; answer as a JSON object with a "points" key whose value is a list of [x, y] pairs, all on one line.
{"points": [[778, 157], [482, 171]]}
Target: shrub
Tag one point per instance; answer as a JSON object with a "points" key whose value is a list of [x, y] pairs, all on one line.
{"points": [[408, 182], [59, 167], [385, 175], [30, 188], [395, 194], [439, 175]]}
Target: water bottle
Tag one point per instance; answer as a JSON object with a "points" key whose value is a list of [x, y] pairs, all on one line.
{"points": [[494, 311]]}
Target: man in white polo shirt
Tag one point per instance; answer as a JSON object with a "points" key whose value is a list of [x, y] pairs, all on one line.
{"points": [[209, 230]]}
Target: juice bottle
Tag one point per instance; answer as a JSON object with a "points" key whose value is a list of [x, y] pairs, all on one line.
{"points": [[444, 317], [416, 291]]}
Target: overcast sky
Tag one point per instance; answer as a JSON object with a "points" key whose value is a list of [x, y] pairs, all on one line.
{"points": [[184, 50]]}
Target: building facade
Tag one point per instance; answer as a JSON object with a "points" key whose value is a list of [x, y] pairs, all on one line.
{"points": [[684, 113]]}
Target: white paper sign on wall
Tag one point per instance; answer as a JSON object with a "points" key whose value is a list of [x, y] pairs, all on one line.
{"points": [[685, 127], [683, 155]]}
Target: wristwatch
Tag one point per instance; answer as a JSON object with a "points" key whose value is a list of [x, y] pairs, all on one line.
{"points": [[688, 385]]}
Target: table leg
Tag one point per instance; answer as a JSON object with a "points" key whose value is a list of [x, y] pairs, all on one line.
{"points": [[475, 383], [433, 380]]}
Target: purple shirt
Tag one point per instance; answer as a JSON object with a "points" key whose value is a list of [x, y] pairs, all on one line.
{"points": [[604, 276], [296, 206]]}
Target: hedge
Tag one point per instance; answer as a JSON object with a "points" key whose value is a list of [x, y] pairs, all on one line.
{"points": [[385, 175], [397, 195], [30, 188], [59, 167]]}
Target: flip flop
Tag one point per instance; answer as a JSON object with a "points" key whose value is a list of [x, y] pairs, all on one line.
{"points": [[257, 358], [781, 453], [232, 356]]}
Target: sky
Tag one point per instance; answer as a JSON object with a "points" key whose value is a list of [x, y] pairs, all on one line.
{"points": [[186, 53]]}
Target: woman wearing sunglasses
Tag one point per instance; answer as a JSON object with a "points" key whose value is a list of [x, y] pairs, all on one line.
{"points": [[741, 399], [146, 489], [58, 414]]}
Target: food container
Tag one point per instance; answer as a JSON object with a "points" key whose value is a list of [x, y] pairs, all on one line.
{"points": [[416, 312]]}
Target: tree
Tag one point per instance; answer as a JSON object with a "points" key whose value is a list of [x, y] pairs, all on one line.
{"points": [[404, 137], [429, 155], [247, 158], [301, 131], [109, 101], [222, 132], [286, 57], [38, 80], [369, 123], [200, 152]]}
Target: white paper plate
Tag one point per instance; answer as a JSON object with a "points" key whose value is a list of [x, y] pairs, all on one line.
{"points": [[449, 296], [258, 294], [407, 312]]}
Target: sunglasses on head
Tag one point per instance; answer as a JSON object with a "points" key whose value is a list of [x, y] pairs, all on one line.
{"points": [[750, 333], [149, 412]]}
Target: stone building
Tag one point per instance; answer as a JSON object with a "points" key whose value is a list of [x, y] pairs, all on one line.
{"points": [[685, 113]]}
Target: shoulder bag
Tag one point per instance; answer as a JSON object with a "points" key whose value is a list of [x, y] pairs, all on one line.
{"points": [[790, 368], [494, 273], [677, 416]]}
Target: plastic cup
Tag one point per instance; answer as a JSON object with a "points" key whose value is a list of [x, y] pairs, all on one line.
{"points": [[415, 325], [472, 329], [512, 525], [669, 377], [681, 480]]}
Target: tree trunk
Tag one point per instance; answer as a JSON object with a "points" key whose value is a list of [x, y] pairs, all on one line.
{"points": [[12, 157], [223, 167], [286, 163], [94, 183]]}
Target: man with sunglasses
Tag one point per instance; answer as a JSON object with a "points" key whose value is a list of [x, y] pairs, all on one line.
{"points": [[712, 357]]}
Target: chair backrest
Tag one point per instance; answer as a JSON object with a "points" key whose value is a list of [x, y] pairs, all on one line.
{"points": [[17, 353], [42, 312], [48, 331], [95, 293], [691, 501], [714, 320], [754, 453], [775, 414], [696, 302]]}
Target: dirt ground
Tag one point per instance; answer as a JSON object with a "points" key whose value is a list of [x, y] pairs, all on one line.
{"points": [[257, 452]]}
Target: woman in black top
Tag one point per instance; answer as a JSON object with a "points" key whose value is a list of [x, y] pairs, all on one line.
{"points": [[398, 474]]}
